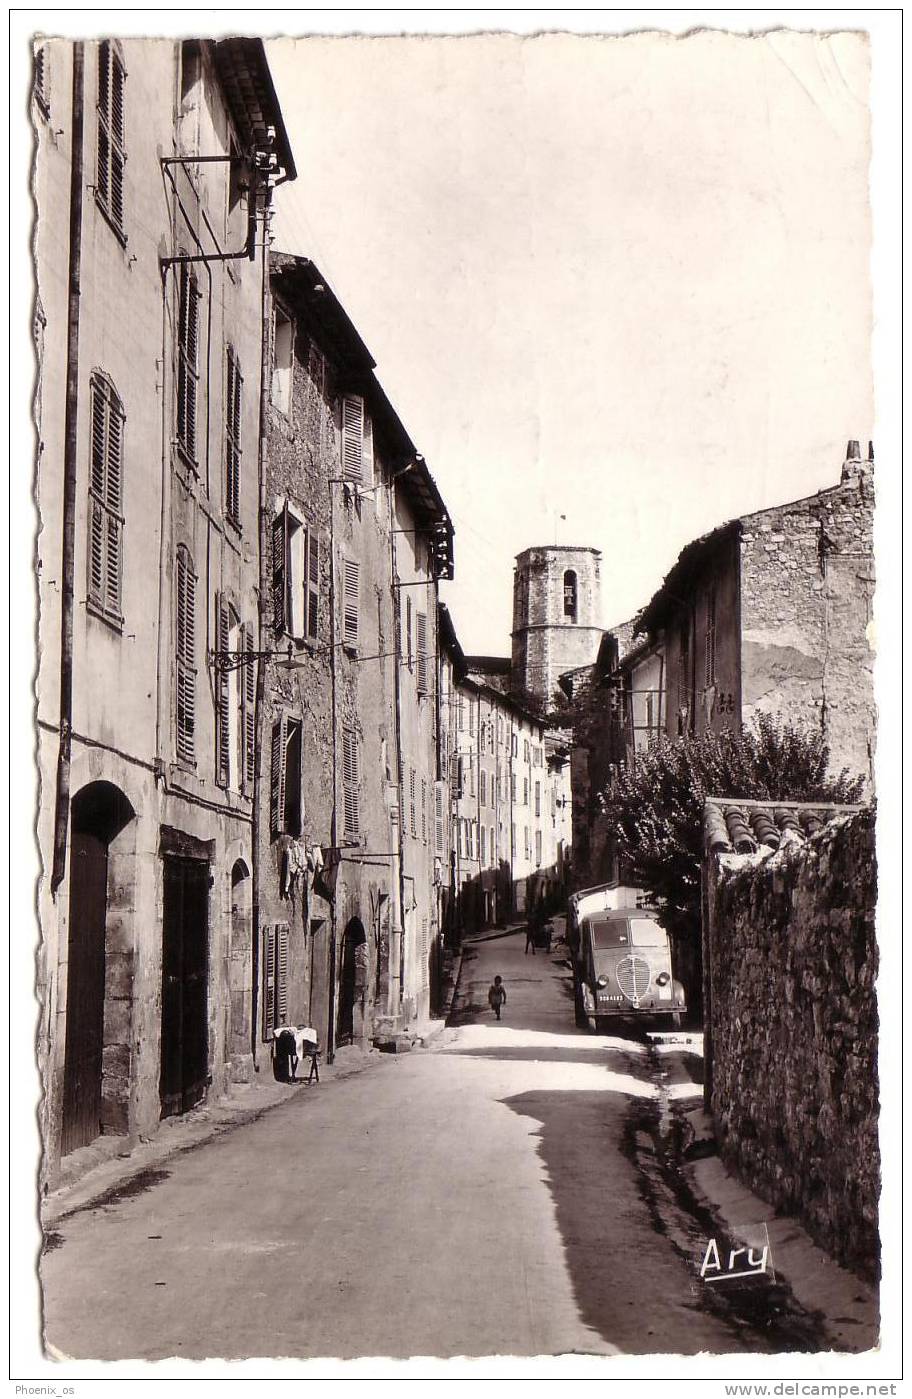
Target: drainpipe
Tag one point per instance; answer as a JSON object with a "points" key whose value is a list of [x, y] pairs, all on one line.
{"points": [[334, 824], [259, 716], [70, 448], [400, 771]]}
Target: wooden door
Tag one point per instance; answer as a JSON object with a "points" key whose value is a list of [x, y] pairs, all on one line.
{"points": [[185, 984], [85, 991]]}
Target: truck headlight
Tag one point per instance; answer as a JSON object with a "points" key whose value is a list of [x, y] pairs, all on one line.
{"points": [[662, 979], [602, 982]]}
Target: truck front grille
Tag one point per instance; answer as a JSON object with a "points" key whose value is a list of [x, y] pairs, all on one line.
{"points": [[633, 977]]}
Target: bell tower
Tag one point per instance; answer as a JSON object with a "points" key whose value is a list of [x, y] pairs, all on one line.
{"points": [[557, 607]]}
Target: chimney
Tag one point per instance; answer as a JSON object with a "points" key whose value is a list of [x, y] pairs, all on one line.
{"points": [[854, 467]]}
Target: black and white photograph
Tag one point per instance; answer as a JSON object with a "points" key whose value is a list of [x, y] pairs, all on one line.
{"points": [[456, 698]]}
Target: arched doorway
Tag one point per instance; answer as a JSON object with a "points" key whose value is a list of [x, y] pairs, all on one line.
{"points": [[240, 974], [352, 982], [100, 812]]}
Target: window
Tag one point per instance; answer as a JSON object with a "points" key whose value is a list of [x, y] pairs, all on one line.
{"points": [[514, 745], [233, 385], [525, 791], [461, 713], [357, 442], [275, 977], [538, 849], [456, 776], [285, 806], [421, 638], [570, 595], [41, 86], [483, 787], [282, 361], [351, 783], [185, 657], [105, 548], [424, 810], [408, 632], [525, 750], [527, 849], [711, 638], [351, 572], [513, 786], [493, 847], [538, 799], [187, 362], [513, 841], [482, 846], [482, 738], [295, 577], [111, 152]]}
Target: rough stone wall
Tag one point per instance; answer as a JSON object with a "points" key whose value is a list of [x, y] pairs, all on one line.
{"points": [[791, 965], [807, 581], [546, 641]]}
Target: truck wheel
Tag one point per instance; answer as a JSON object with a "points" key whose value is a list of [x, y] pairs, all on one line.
{"points": [[676, 1019]]}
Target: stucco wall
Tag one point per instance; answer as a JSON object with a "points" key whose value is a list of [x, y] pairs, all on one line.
{"points": [[791, 967]]}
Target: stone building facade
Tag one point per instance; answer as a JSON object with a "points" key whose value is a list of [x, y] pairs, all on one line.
{"points": [[790, 964], [770, 613], [511, 816], [148, 329], [347, 910], [556, 616]]}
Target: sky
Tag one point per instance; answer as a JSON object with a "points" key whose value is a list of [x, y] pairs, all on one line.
{"points": [[621, 280]]}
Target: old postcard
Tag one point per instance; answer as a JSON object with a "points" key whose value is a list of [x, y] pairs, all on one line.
{"points": [[458, 491]]}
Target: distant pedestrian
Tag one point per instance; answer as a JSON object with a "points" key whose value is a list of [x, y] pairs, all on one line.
{"points": [[497, 995], [530, 936]]}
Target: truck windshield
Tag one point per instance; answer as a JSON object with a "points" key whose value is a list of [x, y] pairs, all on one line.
{"points": [[647, 933], [612, 932]]}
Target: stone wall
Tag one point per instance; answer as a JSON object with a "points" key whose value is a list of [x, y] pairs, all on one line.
{"points": [[791, 961], [807, 582]]}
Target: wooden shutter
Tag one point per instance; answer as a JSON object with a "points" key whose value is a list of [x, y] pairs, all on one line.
{"points": [[268, 980], [281, 973], [222, 718], [312, 585], [186, 657], [248, 726], [424, 810], [118, 155], [188, 355], [350, 609], [353, 437], [439, 789], [421, 642], [350, 782], [233, 382], [280, 570], [103, 161], [277, 778], [105, 499], [408, 630]]}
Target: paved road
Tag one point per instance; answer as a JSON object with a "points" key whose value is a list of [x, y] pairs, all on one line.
{"points": [[477, 1198]]}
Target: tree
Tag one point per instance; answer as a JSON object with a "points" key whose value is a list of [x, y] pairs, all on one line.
{"points": [[654, 806]]}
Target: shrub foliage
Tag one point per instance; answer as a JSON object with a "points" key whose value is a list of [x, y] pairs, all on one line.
{"points": [[654, 806]]}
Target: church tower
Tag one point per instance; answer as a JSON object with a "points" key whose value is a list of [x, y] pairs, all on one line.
{"points": [[557, 607]]}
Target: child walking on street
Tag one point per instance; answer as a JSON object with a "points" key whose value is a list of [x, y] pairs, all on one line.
{"points": [[497, 996]]}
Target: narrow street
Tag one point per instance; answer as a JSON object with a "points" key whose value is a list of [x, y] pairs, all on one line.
{"points": [[479, 1197]]}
